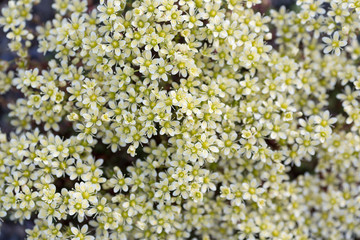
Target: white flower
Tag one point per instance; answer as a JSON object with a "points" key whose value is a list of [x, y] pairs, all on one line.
{"points": [[334, 44]]}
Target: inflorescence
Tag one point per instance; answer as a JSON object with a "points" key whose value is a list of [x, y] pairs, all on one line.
{"points": [[214, 102]]}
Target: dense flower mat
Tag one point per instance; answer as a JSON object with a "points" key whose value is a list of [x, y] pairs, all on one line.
{"points": [[183, 119]]}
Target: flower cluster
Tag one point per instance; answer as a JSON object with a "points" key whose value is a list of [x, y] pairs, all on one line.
{"points": [[207, 108]]}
